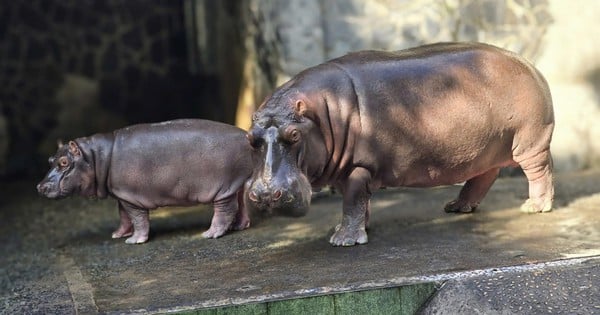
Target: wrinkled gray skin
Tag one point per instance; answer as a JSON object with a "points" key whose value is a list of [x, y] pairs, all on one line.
{"points": [[174, 163], [433, 115]]}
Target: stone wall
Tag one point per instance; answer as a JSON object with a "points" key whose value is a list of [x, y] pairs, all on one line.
{"points": [[571, 63], [303, 33], [560, 37], [69, 68]]}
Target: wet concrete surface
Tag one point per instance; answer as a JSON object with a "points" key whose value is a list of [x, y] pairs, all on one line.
{"points": [[58, 257]]}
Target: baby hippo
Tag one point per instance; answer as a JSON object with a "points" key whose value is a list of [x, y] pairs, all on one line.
{"points": [[175, 163]]}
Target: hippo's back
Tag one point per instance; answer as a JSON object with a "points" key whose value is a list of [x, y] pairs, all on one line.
{"points": [[178, 130]]}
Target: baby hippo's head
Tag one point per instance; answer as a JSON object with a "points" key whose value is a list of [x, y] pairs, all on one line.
{"points": [[69, 174]]}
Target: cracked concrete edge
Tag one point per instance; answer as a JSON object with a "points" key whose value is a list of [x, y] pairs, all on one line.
{"points": [[436, 279], [565, 287]]}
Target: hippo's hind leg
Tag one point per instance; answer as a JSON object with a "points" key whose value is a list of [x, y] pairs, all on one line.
{"points": [[531, 150], [357, 196], [125, 226], [140, 221], [473, 192], [538, 170], [225, 213]]}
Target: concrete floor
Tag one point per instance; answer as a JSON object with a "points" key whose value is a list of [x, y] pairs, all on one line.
{"points": [[58, 257]]}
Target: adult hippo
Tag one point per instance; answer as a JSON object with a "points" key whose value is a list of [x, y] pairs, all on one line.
{"points": [[433, 115]]}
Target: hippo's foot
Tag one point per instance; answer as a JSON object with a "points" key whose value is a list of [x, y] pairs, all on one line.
{"points": [[345, 236], [122, 232], [137, 239], [215, 231], [460, 206], [531, 206], [241, 224]]}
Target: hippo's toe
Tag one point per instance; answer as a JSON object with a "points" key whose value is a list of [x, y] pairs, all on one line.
{"points": [[215, 231], [345, 236], [122, 232], [530, 206], [459, 206], [136, 239]]}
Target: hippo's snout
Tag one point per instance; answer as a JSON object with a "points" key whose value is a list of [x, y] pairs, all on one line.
{"points": [[266, 198], [293, 200], [43, 188], [263, 196], [48, 190]]}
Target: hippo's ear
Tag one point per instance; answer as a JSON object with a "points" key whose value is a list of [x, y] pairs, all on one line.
{"points": [[74, 149], [300, 107], [59, 143]]}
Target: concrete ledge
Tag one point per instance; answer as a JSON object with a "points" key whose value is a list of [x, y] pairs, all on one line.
{"points": [[400, 300]]}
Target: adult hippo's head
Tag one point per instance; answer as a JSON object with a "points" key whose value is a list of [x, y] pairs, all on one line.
{"points": [[291, 154]]}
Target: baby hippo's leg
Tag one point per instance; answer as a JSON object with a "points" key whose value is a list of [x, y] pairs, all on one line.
{"points": [[473, 192], [225, 213], [125, 227], [242, 219], [140, 221]]}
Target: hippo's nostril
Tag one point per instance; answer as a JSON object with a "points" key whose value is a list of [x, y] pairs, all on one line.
{"points": [[253, 196], [277, 195]]}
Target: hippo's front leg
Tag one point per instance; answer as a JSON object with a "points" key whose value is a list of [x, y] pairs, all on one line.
{"points": [[225, 213], [355, 210], [140, 221], [125, 226], [242, 219]]}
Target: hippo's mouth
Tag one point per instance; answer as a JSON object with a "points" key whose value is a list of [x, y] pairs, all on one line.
{"points": [[52, 192], [56, 195], [293, 202], [287, 208], [288, 204]]}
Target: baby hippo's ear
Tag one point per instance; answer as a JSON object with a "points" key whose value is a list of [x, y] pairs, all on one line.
{"points": [[300, 107], [59, 143], [74, 149]]}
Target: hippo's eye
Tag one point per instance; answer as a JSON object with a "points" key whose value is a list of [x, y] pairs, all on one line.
{"points": [[51, 160], [295, 135], [292, 135], [63, 161]]}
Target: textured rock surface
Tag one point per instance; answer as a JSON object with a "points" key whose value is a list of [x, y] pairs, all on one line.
{"points": [[289, 36], [165, 59], [4, 138], [570, 60], [133, 52]]}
